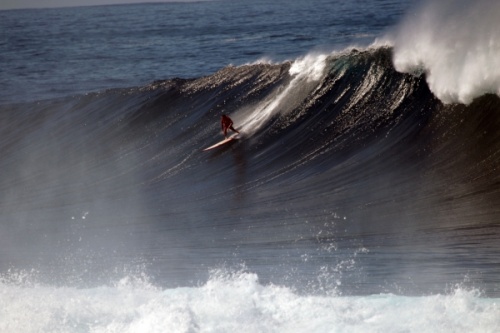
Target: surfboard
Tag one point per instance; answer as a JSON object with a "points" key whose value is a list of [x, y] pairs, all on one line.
{"points": [[223, 142]]}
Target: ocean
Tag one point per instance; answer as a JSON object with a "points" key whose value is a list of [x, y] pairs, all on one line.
{"points": [[362, 196]]}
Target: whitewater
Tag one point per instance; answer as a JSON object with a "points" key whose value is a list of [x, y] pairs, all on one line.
{"points": [[236, 301], [455, 43], [363, 196]]}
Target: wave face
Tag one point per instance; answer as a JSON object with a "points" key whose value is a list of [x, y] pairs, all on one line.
{"points": [[350, 177]]}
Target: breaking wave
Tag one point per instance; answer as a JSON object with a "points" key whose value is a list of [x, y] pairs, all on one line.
{"points": [[456, 44], [339, 152]]}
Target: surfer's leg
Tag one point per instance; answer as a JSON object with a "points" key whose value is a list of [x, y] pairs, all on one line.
{"points": [[232, 129]]}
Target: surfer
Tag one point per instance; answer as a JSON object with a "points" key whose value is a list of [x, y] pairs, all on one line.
{"points": [[227, 123]]}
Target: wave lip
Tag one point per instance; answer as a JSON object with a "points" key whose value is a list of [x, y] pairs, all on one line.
{"points": [[456, 43]]}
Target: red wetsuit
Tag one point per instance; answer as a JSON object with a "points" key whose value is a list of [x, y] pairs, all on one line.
{"points": [[226, 123]]}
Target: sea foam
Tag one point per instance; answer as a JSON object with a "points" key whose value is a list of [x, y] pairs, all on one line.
{"points": [[235, 302]]}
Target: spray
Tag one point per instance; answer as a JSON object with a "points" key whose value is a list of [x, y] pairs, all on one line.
{"points": [[305, 72], [456, 44]]}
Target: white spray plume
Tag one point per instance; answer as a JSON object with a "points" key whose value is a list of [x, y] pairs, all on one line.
{"points": [[456, 43], [305, 72], [310, 67]]}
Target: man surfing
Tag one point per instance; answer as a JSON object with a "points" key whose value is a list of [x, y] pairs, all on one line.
{"points": [[227, 124]]}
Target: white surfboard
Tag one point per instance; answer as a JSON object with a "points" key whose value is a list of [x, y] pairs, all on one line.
{"points": [[223, 142]]}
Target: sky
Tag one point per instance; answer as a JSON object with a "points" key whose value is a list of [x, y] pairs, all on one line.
{"points": [[16, 4]]}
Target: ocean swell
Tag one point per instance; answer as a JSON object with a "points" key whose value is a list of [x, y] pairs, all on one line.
{"points": [[339, 152]]}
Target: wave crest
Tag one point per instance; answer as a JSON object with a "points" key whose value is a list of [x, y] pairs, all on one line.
{"points": [[456, 43]]}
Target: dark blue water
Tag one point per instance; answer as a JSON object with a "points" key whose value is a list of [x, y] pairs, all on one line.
{"points": [[59, 52], [363, 195]]}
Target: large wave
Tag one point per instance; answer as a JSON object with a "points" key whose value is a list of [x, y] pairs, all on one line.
{"points": [[339, 152]]}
